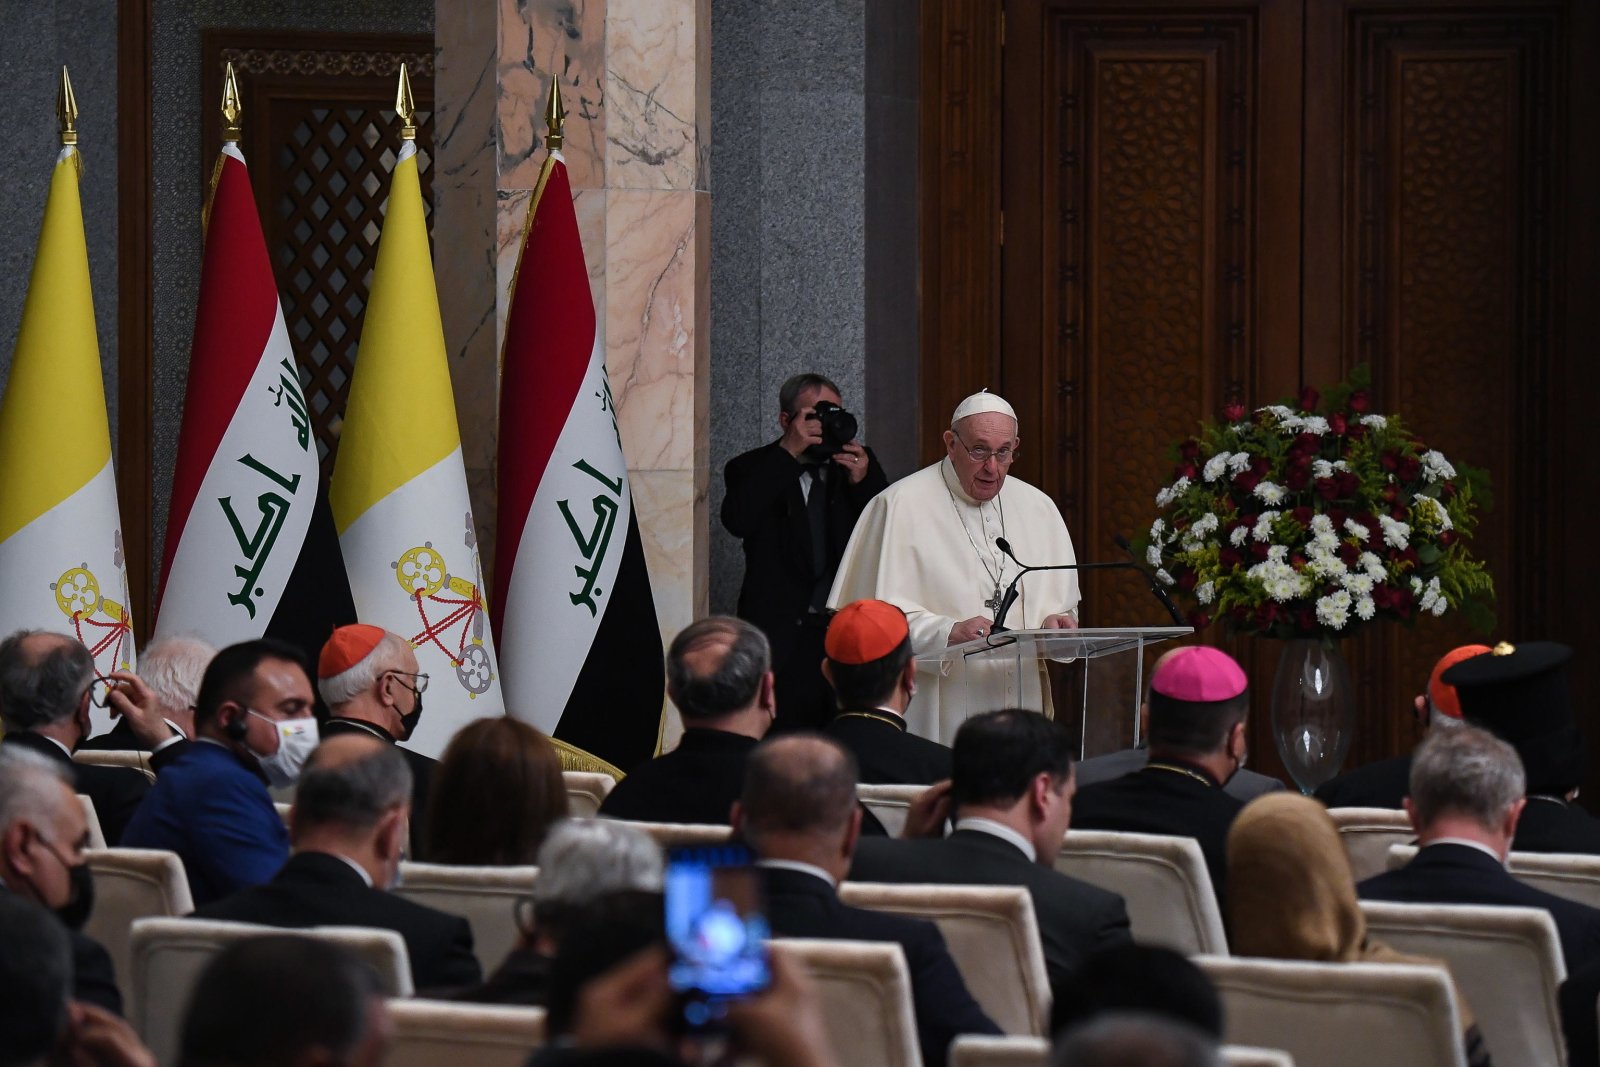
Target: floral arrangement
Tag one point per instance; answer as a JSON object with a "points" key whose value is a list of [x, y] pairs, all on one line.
{"points": [[1310, 520]]}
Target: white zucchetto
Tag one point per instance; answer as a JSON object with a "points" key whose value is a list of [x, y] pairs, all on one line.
{"points": [[980, 402]]}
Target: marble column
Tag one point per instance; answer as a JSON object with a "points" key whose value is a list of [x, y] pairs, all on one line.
{"points": [[635, 76]]}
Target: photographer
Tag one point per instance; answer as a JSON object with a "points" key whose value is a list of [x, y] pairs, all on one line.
{"points": [[794, 534]]}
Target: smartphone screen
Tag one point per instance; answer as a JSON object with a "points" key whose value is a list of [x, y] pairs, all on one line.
{"points": [[717, 924]]}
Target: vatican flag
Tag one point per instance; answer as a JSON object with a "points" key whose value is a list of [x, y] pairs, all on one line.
{"points": [[399, 489], [62, 565]]}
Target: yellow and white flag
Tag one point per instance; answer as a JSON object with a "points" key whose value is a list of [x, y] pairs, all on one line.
{"points": [[62, 565], [399, 488]]}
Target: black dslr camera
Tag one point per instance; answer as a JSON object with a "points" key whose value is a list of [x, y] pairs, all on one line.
{"points": [[838, 429]]}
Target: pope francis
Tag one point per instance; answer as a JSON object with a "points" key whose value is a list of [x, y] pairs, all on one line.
{"points": [[929, 544]]}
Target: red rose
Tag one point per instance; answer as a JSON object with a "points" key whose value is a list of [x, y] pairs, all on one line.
{"points": [[1348, 553], [1267, 614], [1302, 515], [1307, 442], [1447, 537], [1229, 558], [1246, 481], [1449, 490], [1187, 581], [1327, 488], [1233, 412], [1297, 561], [1410, 467], [1240, 614], [1337, 516], [1337, 424], [1259, 551], [1398, 513], [1189, 449], [1199, 620], [1358, 401], [1306, 619], [1391, 493], [1309, 399], [1348, 483], [1298, 478], [1390, 461], [1187, 470], [1260, 466], [1356, 431]]}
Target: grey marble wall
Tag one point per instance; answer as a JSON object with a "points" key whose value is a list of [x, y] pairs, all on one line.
{"points": [[39, 37], [812, 260]]}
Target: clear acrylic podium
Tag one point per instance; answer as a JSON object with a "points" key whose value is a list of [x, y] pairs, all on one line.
{"points": [[1009, 660]]}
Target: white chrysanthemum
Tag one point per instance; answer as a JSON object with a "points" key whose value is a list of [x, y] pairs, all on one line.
{"points": [[1396, 534], [1164, 577], [1437, 511], [1439, 607], [1321, 524], [1333, 610], [1314, 424], [1279, 580], [1152, 555], [1321, 468], [1326, 543], [1215, 467], [1172, 492], [1416, 586], [1206, 524], [1157, 528], [1359, 584], [1356, 530], [1270, 493], [1278, 553], [1326, 564], [1366, 608], [1205, 592], [1278, 411], [1263, 527], [1239, 462], [1432, 598], [1373, 566], [1376, 422], [1435, 466], [1239, 536]]}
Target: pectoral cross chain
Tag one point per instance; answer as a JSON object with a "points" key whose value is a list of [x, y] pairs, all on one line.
{"points": [[993, 603]]}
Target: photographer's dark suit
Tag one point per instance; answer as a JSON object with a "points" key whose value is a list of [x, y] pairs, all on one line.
{"points": [[787, 573]]}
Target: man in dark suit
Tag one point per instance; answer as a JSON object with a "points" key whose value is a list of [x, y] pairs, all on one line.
{"points": [[719, 675], [1467, 794], [793, 503], [368, 677], [43, 833], [1198, 703], [1386, 782], [160, 716], [798, 813], [46, 684], [874, 676], [253, 725], [349, 832], [1011, 795]]}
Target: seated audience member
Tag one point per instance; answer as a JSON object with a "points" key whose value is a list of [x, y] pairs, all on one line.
{"points": [[369, 679], [798, 813], [581, 860], [1384, 783], [1198, 702], [1293, 897], [171, 669], [1519, 694], [46, 684], [1244, 785], [1147, 979], [1132, 1040], [496, 794], [252, 725], [874, 676], [280, 999], [1011, 796], [43, 833], [349, 831], [719, 675], [35, 982]]}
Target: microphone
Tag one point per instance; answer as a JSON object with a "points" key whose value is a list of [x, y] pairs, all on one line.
{"points": [[1012, 592], [1155, 586]]}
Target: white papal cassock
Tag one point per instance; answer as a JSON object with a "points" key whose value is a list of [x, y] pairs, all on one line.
{"points": [[928, 548]]}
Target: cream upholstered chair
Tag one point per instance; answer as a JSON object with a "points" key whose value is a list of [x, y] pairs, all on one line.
{"points": [[866, 999], [116, 757], [981, 1050], [485, 896], [889, 803], [169, 954], [1338, 1014], [1506, 962], [1367, 833], [1246, 1056], [130, 884], [1570, 875], [586, 791], [993, 937], [97, 835], [431, 1032], [1162, 879], [283, 810], [684, 834]]}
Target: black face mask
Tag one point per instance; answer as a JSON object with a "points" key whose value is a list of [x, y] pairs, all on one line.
{"points": [[408, 721], [80, 901]]}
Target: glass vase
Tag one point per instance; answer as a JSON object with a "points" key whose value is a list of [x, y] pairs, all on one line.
{"points": [[1313, 710]]}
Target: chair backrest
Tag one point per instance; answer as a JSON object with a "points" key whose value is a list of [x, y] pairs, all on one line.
{"points": [[131, 884], [97, 835], [889, 803], [684, 834], [431, 1032], [1506, 962], [116, 757], [1367, 833], [169, 954], [866, 999], [981, 1050], [1337, 1014], [283, 810], [993, 937], [485, 896], [586, 790], [1247, 1056], [1570, 875], [1162, 879]]}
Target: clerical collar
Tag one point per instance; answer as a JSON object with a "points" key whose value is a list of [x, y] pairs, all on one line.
{"points": [[1465, 842], [361, 724], [803, 868], [947, 470], [1002, 831], [888, 715], [1188, 770]]}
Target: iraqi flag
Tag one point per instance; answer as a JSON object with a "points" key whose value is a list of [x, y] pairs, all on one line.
{"points": [[62, 566], [399, 490], [572, 603], [246, 480]]}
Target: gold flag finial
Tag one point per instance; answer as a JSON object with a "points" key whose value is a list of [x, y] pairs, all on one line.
{"points": [[232, 107], [67, 109], [555, 116], [405, 106]]}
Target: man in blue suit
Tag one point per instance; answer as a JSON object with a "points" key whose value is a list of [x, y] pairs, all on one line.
{"points": [[253, 726]]}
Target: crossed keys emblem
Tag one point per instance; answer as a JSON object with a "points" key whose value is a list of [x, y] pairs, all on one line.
{"points": [[423, 574]]}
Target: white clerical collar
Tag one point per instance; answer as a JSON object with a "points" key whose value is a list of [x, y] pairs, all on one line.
{"points": [[1000, 830], [354, 866], [65, 751], [947, 470], [1465, 842], [804, 868]]}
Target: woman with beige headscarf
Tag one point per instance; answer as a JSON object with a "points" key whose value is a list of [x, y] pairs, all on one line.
{"points": [[1291, 895]]}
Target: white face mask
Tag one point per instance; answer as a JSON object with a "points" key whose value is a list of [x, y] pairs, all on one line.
{"points": [[297, 739]]}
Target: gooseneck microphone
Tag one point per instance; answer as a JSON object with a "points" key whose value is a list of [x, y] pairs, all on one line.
{"points": [[1155, 586], [1012, 591]]}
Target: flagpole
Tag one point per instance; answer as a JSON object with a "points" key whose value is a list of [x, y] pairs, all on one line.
{"points": [[232, 116], [67, 116]]}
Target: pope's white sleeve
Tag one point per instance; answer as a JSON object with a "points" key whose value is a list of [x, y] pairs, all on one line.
{"points": [[929, 632]]}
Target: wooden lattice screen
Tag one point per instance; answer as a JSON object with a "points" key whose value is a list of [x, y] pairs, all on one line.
{"points": [[320, 135]]}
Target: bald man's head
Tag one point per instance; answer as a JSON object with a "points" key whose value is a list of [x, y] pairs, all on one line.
{"points": [[351, 781], [798, 784], [44, 679]]}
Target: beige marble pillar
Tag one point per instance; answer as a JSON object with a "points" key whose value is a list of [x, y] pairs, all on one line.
{"points": [[635, 76]]}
